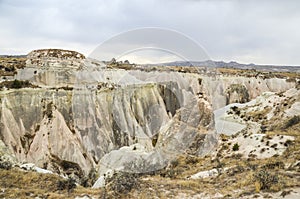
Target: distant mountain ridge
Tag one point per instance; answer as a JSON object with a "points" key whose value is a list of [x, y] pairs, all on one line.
{"points": [[13, 56], [211, 63], [232, 64]]}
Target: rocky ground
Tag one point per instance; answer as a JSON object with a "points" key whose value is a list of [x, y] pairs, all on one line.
{"points": [[233, 133]]}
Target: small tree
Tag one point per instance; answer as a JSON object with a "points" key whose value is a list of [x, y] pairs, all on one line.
{"points": [[235, 147]]}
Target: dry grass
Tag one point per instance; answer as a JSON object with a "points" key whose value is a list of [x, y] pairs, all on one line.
{"points": [[242, 178], [19, 184], [259, 115], [9, 65], [291, 76]]}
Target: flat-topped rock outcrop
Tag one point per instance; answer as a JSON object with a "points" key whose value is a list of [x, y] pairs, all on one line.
{"points": [[54, 58]]}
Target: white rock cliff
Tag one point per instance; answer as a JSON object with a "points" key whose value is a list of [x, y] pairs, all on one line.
{"points": [[85, 115]]}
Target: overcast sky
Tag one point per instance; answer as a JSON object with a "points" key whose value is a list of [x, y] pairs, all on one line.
{"points": [[256, 31]]}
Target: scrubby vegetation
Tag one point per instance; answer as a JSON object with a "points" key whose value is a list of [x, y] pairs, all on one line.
{"points": [[16, 84], [4, 164], [243, 176], [15, 183], [238, 177], [66, 184], [122, 183], [264, 180], [290, 76], [10, 64], [240, 90]]}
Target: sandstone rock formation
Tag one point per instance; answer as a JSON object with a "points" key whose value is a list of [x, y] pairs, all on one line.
{"points": [[258, 114], [85, 115]]}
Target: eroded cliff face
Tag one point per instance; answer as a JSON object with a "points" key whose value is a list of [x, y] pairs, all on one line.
{"points": [[67, 131], [36, 126], [85, 115], [218, 89], [55, 68]]}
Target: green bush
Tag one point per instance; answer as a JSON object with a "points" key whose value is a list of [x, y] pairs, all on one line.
{"points": [[235, 147]]}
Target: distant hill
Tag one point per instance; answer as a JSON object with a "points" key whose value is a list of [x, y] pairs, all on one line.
{"points": [[232, 64], [13, 56]]}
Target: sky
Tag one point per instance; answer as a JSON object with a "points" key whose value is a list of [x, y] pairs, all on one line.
{"points": [[256, 31]]}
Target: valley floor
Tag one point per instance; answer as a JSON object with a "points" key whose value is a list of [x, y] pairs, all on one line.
{"points": [[236, 177]]}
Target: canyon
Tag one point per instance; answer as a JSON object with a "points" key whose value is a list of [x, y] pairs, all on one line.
{"points": [[80, 115]]}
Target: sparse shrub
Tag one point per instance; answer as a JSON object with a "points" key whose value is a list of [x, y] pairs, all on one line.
{"points": [[288, 143], [122, 183], [284, 193], [68, 184], [172, 170], [237, 156], [17, 84], [297, 84], [291, 79], [274, 165], [287, 123], [274, 145], [252, 155], [252, 166], [234, 108], [174, 163], [236, 147], [235, 170], [264, 180], [292, 121], [224, 138], [89, 180], [191, 160], [4, 164], [48, 111], [37, 128], [169, 173], [67, 88], [241, 90]]}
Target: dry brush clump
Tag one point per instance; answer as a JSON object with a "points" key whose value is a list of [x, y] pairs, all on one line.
{"points": [[16, 84], [121, 183], [10, 64], [66, 184], [265, 180], [5, 164]]}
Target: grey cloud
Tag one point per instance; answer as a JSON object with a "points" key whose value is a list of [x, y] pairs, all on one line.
{"points": [[262, 31]]}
